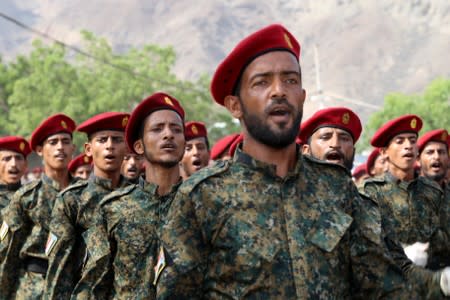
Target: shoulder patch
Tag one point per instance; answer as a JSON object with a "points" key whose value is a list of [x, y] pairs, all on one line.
{"points": [[203, 174], [75, 186], [29, 186], [118, 193]]}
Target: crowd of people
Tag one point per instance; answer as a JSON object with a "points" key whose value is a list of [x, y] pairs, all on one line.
{"points": [[150, 210]]}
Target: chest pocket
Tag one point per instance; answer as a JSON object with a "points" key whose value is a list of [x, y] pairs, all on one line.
{"points": [[329, 229]]}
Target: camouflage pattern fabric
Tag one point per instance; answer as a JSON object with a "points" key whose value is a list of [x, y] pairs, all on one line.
{"points": [[126, 236], [6, 193], [28, 219], [237, 230], [72, 215], [412, 211]]}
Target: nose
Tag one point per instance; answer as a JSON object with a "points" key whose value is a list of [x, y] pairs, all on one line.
{"points": [[167, 133], [334, 141], [277, 90], [109, 142]]}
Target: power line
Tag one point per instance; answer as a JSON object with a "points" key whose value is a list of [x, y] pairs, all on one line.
{"points": [[93, 57]]}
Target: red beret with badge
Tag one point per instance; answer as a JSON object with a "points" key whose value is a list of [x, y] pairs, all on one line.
{"points": [[194, 130], [403, 124], [338, 117], [223, 144], [157, 101], [105, 121], [79, 161], [58, 123], [271, 38], [437, 135], [15, 143]]}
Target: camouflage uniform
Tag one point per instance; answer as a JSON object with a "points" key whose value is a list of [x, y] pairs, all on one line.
{"points": [[6, 193], [23, 261], [236, 230], [71, 217], [412, 211], [125, 244]]}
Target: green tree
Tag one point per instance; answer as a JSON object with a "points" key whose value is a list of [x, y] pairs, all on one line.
{"points": [[433, 106]]}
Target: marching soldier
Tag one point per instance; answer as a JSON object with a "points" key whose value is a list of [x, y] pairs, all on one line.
{"points": [[376, 164], [26, 219], [132, 166], [81, 166], [220, 150], [196, 153]]}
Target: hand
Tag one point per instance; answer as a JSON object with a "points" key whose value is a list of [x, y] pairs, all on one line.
{"points": [[445, 281], [417, 253]]}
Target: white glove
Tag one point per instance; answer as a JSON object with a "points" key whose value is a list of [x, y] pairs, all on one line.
{"points": [[417, 252], [445, 281]]}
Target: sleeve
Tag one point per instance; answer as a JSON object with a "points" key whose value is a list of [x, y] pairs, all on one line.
{"points": [[179, 272], [61, 242], [14, 230]]}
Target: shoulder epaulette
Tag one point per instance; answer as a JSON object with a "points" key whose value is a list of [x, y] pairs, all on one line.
{"points": [[118, 193], [29, 186], [75, 186], [217, 168]]}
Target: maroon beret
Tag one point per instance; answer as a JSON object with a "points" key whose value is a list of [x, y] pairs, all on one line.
{"points": [[359, 171], [339, 117], [437, 135], [194, 130], [157, 101], [372, 158], [104, 121], [15, 143], [234, 145], [271, 38], [79, 161], [406, 123], [221, 145], [52, 125]]}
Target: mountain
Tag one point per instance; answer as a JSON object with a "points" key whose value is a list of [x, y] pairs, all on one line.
{"points": [[364, 49]]}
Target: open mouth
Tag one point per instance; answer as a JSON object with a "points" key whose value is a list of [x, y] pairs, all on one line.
{"points": [[334, 156], [197, 163], [60, 156], [109, 157], [409, 155], [436, 166], [168, 146]]}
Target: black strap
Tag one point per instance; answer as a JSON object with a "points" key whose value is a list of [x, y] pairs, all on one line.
{"points": [[36, 265]]}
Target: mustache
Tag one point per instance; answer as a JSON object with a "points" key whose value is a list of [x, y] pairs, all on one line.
{"points": [[278, 101]]}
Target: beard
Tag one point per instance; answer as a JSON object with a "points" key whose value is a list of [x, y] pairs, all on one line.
{"points": [[167, 164], [263, 133]]}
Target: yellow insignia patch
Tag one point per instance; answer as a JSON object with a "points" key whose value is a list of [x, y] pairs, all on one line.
{"points": [[22, 146], [124, 122], [160, 265], [194, 129], [288, 41], [51, 242], [63, 125], [413, 123], [346, 118], [3, 231], [168, 101], [86, 159], [444, 136]]}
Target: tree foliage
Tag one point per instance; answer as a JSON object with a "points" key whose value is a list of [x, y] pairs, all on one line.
{"points": [[433, 106], [51, 79]]}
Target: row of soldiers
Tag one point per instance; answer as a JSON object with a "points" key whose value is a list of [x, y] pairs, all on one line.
{"points": [[278, 218]]}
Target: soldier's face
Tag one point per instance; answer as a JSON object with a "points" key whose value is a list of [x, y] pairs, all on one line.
{"points": [[82, 171], [434, 161], [107, 149], [132, 165], [12, 166], [379, 167], [271, 99], [163, 141], [331, 144], [402, 152], [196, 156], [56, 151]]}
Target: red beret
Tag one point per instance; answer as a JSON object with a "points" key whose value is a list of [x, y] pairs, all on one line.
{"points": [[194, 130], [79, 161], [157, 101], [371, 159], [52, 125], [104, 121], [234, 145], [15, 143], [437, 135], [221, 145], [339, 117], [271, 38], [406, 123], [359, 171]]}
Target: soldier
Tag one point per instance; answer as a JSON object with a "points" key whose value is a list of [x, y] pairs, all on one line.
{"points": [[125, 238], [433, 155], [132, 166], [359, 174], [81, 166], [220, 150], [26, 219], [269, 223], [376, 164], [410, 206], [196, 153], [73, 212], [13, 164]]}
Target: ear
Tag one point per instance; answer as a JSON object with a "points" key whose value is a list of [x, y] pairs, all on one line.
{"points": [[88, 149], [138, 146], [39, 150], [303, 97], [306, 149], [233, 105]]}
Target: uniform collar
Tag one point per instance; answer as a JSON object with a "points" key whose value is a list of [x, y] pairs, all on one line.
{"points": [[105, 182], [151, 188], [10, 187]]}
